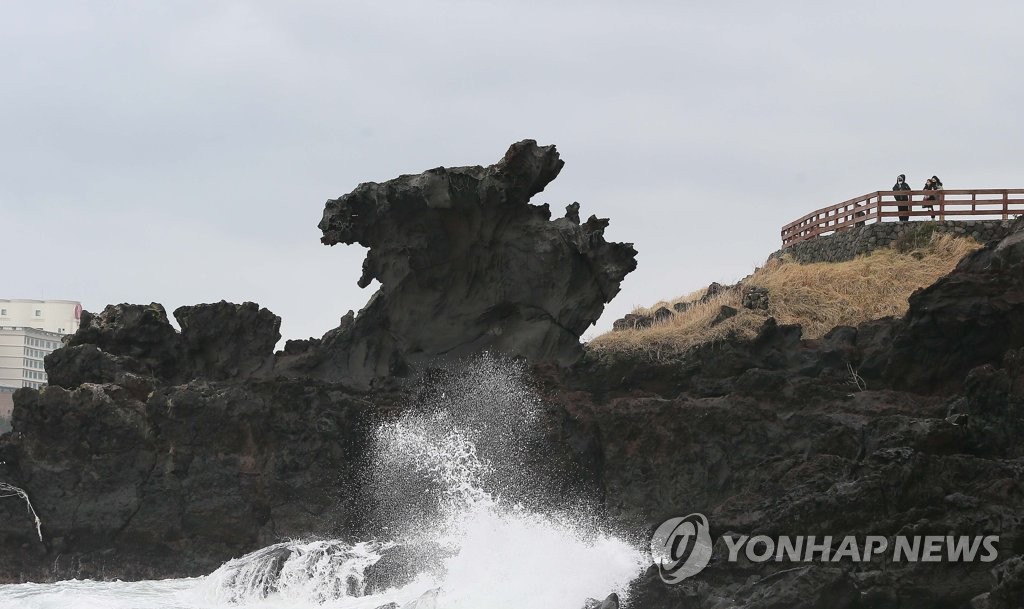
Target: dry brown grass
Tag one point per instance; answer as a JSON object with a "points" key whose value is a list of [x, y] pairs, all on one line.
{"points": [[817, 296]]}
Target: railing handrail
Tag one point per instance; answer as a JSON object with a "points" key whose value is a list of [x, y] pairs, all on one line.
{"points": [[871, 207]]}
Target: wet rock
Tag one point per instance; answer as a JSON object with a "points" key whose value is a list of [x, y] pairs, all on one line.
{"points": [[399, 565]]}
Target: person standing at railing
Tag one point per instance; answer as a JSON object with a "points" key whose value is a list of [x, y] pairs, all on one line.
{"points": [[933, 183], [936, 185], [901, 184]]}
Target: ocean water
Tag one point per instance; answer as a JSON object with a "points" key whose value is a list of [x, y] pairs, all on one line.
{"points": [[453, 485]]}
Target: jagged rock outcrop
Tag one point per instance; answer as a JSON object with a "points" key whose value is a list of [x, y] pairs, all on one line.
{"points": [[217, 342], [466, 263]]}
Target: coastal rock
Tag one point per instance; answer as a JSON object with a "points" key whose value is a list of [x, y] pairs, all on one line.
{"points": [[466, 263], [218, 341], [138, 337], [223, 340], [965, 319], [1008, 591]]}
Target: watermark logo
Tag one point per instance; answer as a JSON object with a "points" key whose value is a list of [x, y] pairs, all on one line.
{"points": [[681, 547]]}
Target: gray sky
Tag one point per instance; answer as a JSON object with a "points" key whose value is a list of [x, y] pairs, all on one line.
{"points": [[181, 152]]}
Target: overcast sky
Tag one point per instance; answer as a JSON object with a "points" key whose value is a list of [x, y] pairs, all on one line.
{"points": [[181, 152]]}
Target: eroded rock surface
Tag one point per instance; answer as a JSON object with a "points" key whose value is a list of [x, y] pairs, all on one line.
{"points": [[466, 263]]}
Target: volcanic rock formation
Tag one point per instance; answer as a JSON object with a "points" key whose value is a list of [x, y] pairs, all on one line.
{"points": [[465, 264]]}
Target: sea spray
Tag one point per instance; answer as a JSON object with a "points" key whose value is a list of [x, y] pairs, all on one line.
{"points": [[495, 551]]}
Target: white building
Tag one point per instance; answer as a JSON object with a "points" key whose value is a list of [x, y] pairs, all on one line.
{"points": [[58, 316], [29, 330]]}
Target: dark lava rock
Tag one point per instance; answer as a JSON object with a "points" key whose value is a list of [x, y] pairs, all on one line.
{"points": [[401, 564], [724, 313], [755, 298], [139, 338], [713, 290], [633, 321], [662, 314], [218, 341], [224, 340], [967, 318], [1008, 591], [467, 263]]}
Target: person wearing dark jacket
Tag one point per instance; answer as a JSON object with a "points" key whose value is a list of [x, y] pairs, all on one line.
{"points": [[936, 184], [901, 184], [929, 185]]}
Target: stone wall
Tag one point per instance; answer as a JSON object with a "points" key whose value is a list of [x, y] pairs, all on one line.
{"points": [[850, 243]]}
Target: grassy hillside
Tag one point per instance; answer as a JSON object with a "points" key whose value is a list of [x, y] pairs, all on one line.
{"points": [[818, 296]]}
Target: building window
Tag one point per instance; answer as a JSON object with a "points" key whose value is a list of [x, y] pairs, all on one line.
{"points": [[3, 312], [39, 313]]}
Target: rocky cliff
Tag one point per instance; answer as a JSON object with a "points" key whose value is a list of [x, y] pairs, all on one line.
{"points": [[157, 453]]}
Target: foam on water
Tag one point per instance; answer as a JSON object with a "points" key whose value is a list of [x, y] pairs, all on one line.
{"points": [[485, 549]]}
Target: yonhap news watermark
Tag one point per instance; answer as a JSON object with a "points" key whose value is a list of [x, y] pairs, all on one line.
{"points": [[682, 547]]}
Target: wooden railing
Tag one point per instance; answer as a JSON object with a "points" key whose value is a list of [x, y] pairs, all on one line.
{"points": [[882, 206]]}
